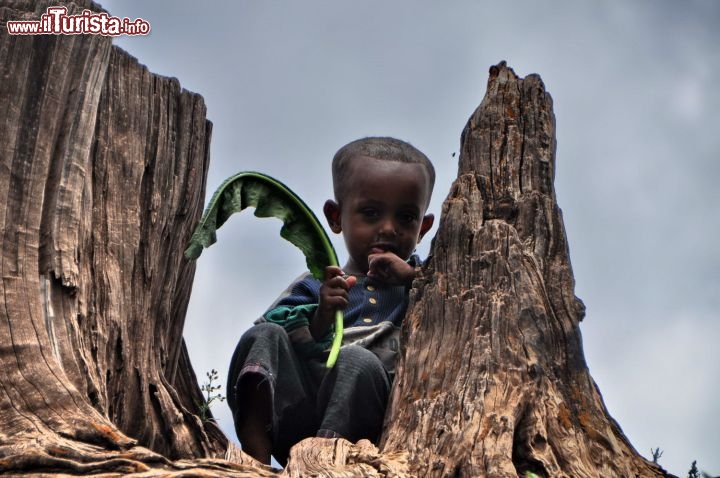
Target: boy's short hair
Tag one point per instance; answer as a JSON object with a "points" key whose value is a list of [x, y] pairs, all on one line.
{"points": [[384, 149]]}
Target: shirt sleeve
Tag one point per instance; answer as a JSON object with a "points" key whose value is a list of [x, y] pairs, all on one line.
{"points": [[294, 310], [291, 316], [297, 304]]}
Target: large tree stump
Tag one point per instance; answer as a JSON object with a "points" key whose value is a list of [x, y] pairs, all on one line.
{"points": [[102, 177], [492, 379]]}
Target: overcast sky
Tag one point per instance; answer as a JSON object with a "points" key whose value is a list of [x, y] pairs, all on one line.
{"points": [[636, 100]]}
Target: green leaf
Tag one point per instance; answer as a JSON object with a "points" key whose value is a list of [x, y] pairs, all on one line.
{"points": [[270, 198]]}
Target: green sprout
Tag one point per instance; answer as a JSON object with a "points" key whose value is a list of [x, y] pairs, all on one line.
{"points": [[210, 395]]}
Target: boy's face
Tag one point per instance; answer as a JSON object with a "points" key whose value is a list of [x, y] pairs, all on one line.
{"points": [[382, 210]]}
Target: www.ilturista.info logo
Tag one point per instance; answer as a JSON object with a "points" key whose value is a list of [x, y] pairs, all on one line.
{"points": [[56, 21]]}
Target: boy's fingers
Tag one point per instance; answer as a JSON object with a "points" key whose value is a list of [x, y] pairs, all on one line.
{"points": [[380, 260], [341, 282], [336, 302], [337, 292], [332, 271], [351, 281], [338, 284], [378, 264]]}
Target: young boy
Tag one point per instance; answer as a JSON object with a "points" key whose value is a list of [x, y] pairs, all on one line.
{"points": [[279, 389]]}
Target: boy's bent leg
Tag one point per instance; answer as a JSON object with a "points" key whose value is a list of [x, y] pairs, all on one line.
{"points": [[353, 396], [267, 383], [254, 423]]}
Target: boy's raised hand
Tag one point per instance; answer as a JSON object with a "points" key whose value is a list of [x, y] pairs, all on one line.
{"points": [[389, 269], [333, 296]]}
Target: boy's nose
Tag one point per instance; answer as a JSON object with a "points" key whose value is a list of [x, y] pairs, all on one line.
{"points": [[388, 229]]}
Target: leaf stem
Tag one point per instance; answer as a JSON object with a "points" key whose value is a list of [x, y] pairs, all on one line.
{"points": [[337, 339]]}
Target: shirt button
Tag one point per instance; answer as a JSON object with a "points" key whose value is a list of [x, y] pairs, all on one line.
{"points": [[367, 320], [371, 288], [372, 300]]}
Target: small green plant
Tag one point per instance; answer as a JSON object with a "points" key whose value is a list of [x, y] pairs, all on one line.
{"points": [[693, 473], [656, 454], [210, 395]]}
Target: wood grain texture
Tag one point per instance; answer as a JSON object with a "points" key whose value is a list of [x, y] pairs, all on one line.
{"points": [[102, 175], [339, 458], [102, 179], [492, 380]]}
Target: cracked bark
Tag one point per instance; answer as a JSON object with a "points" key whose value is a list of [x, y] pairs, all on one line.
{"points": [[492, 380], [102, 177]]}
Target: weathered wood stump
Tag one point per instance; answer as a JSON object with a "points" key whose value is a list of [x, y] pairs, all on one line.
{"points": [[102, 178], [493, 381]]}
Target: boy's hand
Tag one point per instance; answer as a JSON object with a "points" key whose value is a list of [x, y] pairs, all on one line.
{"points": [[333, 296], [389, 269]]}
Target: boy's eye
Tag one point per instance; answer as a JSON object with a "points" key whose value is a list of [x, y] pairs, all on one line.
{"points": [[408, 218], [369, 212]]}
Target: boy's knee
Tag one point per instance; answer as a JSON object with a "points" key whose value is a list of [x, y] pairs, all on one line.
{"points": [[361, 360], [354, 395], [355, 353], [264, 329], [264, 332], [255, 350]]}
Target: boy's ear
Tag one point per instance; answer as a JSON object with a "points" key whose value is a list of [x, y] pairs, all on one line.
{"points": [[427, 223], [331, 209]]}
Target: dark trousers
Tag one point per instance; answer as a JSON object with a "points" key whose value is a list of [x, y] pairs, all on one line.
{"points": [[308, 399]]}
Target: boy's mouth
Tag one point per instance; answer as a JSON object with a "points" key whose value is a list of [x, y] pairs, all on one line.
{"points": [[382, 248]]}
